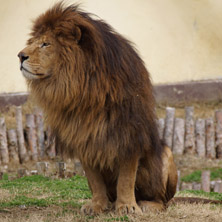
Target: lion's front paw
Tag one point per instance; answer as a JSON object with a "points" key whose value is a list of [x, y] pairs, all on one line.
{"points": [[93, 208], [128, 209]]}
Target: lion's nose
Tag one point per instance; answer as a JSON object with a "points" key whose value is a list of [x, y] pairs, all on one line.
{"points": [[22, 56]]}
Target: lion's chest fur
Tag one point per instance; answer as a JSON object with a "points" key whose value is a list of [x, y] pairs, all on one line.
{"points": [[86, 136]]}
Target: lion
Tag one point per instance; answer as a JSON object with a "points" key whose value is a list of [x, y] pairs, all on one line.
{"points": [[97, 97]]}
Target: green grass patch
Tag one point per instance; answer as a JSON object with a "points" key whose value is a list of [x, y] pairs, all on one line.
{"points": [[37, 190], [200, 193], [196, 175]]}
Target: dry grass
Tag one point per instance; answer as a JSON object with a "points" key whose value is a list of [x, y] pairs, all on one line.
{"points": [[181, 212]]}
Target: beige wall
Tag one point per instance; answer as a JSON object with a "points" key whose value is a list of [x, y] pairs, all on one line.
{"points": [[180, 40]]}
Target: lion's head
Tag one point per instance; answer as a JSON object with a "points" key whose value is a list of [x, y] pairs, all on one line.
{"points": [[38, 58]]}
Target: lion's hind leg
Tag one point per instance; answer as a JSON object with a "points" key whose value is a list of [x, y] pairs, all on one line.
{"points": [[147, 206]]}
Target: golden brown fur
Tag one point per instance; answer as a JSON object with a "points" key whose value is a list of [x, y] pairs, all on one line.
{"points": [[97, 97]]}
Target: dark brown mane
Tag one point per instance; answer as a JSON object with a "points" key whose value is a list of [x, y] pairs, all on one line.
{"points": [[100, 96]]}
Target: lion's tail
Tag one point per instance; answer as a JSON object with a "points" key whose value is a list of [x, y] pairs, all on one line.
{"points": [[192, 200]]}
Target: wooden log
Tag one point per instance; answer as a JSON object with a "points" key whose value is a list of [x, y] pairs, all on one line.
{"points": [[200, 137], [13, 145], [78, 168], [50, 144], [161, 125], [42, 168], [186, 186], [3, 142], [218, 116], [40, 132], [218, 187], [169, 124], [31, 136], [22, 173], [178, 180], [210, 138], [23, 156], [61, 169], [178, 136], [205, 181], [189, 130], [196, 186]]}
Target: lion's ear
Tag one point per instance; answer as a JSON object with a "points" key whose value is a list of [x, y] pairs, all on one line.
{"points": [[77, 33]]}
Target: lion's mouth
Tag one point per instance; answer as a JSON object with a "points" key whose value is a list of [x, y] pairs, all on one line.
{"points": [[26, 70]]}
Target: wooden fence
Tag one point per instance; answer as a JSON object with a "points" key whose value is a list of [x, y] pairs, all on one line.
{"points": [[205, 184], [31, 141], [28, 142], [196, 136]]}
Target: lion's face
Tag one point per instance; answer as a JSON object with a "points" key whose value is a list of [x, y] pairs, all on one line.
{"points": [[38, 58]]}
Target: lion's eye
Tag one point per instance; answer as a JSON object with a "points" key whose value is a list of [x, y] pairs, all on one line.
{"points": [[44, 44]]}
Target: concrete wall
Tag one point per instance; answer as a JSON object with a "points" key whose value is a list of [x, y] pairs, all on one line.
{"points": [[179, 40]]}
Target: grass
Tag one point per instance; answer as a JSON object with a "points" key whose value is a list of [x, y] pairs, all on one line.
{"points": [[37, 198], [216, 173], [41, 191], [200, 193]]}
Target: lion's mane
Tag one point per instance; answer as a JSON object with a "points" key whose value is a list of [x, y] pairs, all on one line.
{"points": [[99, 99]]}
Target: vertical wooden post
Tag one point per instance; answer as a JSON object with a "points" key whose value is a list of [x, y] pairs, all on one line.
{"points": [[178, 136], [178, 180], [218, 116], [42, 168], [22, 173], [3, 142], [40, 132], [189, 130], [161, 125], [51, 149], [205, 181], [13, 145], [21, 141], [210, 138], [61, 169], [169, 124], [78, 168], [200, 137], [31, 136], [218, 187], [196, 186]]}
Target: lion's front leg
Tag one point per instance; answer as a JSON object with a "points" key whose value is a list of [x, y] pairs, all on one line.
{"points": [[100, 200], [126, 201]]}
